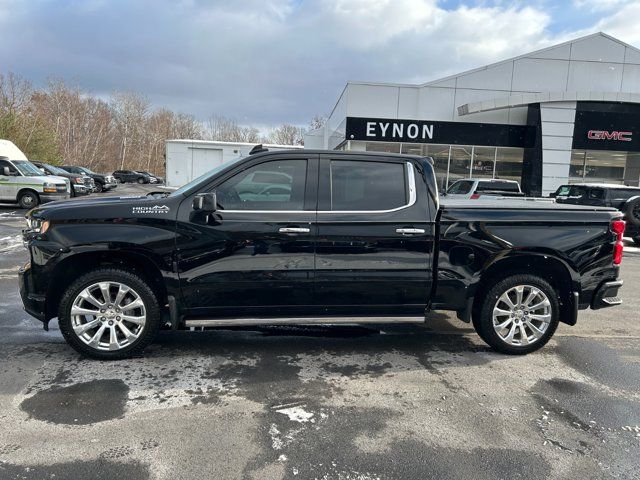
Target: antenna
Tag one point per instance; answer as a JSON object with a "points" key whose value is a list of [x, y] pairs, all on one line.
{"points": [[258, 149]]}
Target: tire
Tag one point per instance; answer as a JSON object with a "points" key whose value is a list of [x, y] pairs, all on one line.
{"points": [[545, 318], [99, 188], [112, 320], [141, 180], [28, 199], [636, 240], [632, 211]]}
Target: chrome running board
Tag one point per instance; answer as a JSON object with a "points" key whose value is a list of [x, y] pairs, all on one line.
{"points": [[238, 322]]}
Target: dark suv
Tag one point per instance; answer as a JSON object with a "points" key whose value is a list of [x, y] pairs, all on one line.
{"points": [[126, 176], [626, 199]]}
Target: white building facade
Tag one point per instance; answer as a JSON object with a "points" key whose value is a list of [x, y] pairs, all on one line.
{"points": [[567, 113], [188, 159]]}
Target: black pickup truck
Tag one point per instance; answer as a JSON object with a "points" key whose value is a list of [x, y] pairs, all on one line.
{"points": [[303, 237]]}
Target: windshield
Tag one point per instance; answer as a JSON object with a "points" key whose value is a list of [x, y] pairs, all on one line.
{"points": [[28, 169], [84, 170], [55, 170], [205, 177]]}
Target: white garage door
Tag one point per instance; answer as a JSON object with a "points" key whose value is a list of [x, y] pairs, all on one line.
{"points": [[204, 160]]}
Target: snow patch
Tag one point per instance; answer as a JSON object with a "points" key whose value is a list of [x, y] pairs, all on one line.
{"points": [[297, 414]]}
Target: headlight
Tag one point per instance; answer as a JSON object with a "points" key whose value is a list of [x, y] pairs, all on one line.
{"points": [[49, 188], [37, 225], [79, 180]]}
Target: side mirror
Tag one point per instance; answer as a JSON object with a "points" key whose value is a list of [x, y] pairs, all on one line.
{"points": [[5, 171], [205, 202]]}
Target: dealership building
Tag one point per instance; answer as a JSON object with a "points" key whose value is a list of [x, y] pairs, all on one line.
{"points": [[567, 113]]}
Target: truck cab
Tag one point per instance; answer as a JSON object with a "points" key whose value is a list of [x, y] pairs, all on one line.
{"points": [[23, 183]]}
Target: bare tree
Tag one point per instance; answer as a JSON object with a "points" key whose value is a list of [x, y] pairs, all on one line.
{"points": [[318, 121], [129, 111], [287, 134]]}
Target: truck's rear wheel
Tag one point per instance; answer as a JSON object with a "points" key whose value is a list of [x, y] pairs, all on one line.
{"points": [[109, 314], [518, 315], [28, 199]]}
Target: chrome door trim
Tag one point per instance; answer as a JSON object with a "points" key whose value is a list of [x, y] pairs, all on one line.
{"points": [[294, 230], [231, 322], [410, 231]]}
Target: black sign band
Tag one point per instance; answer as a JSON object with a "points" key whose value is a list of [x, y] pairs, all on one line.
{"points": [[607, 126], [423, 131]]}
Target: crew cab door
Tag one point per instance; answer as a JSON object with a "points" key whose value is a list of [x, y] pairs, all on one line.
{"points": [[373, 253], [255, 254]]}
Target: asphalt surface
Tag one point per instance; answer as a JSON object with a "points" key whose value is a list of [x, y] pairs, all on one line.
{"points": [[342, 403]]}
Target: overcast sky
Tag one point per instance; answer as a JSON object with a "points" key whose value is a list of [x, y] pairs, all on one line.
{"points": [[266, 62]]}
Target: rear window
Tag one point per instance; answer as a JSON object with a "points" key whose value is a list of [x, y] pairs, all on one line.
{"points": [[497, 186], [461, 187]]}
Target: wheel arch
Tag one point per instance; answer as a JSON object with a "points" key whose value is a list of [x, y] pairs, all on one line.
{"points": [[73, 266], [27, 189], [549, 267]]}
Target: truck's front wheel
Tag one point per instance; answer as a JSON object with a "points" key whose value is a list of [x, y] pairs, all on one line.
{"points": [[109, 314], [518, 314]]}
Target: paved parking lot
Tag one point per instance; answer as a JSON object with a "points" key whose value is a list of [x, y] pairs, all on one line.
{"points": [[426, 401]]}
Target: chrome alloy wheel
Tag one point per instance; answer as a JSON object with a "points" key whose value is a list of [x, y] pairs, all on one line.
{"points": [[522, 315], [108, 315]]}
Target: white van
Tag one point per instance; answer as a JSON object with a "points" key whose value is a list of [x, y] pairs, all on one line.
{"points": [[23, 183]]}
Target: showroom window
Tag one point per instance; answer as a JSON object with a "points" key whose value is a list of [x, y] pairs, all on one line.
{"points": [[509, 163], [454, 162], [388, 147], [598, 166]]}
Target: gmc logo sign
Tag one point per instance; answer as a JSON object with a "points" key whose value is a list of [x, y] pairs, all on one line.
{"points": [[604, 135]]}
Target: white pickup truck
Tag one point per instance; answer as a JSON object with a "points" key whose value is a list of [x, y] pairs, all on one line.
{"points": [[23, 183], [485, 188]]}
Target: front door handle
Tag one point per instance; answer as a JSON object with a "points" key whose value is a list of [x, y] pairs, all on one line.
{"points": [[294, 230], [409, 231]]}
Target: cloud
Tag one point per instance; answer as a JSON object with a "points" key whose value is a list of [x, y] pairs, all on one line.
{"points": [[268, 62]]}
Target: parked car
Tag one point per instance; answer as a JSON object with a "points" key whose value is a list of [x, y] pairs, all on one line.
{"points": [[358, 237], [80, 184], [23, 183], [475, 188], [153, 178], [103, 183], [626, 199], [131, 176]]}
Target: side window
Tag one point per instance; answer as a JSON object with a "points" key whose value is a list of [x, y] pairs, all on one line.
{"points": [[358, 185], [12, 169], [577, 192], [596, 194], [563, 191], [275, 185]]}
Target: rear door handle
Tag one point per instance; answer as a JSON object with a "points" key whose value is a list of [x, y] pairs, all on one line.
{"points": [[409, 231], [294, 230]]}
